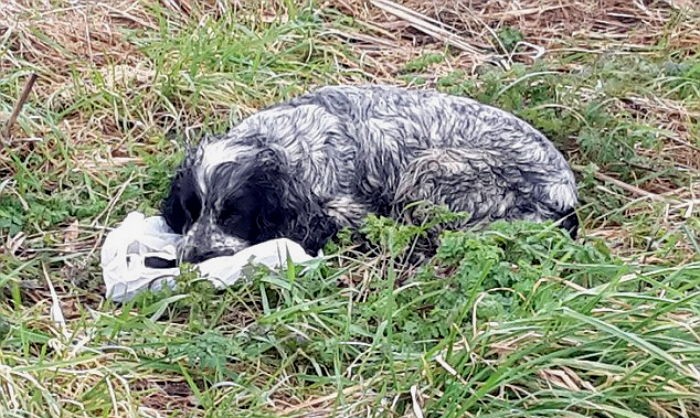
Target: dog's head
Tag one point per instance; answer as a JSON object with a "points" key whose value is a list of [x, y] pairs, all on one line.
{"points": [[226, 197]]}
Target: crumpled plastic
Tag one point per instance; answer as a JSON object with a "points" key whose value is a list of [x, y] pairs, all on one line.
{"points": [[141, 254]]}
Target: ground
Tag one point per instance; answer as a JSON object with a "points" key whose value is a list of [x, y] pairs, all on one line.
{"points": [[516, 321]]}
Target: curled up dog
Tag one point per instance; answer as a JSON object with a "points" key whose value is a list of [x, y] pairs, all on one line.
{"points": [[323, 161]]}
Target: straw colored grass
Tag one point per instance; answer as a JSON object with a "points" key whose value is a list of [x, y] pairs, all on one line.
{"points": [[517, 321]]}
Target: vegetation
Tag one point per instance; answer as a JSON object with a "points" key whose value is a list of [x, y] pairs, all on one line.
{"points": [[516, 321]]}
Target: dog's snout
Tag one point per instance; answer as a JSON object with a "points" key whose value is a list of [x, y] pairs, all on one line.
{"points": [[194, 252], [195, 255], [200, 245]]}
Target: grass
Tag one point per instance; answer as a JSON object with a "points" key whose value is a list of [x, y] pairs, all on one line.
{"points": [[516, 321]]}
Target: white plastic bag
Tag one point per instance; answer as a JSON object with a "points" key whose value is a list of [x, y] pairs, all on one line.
{"points": [[126, 249]]}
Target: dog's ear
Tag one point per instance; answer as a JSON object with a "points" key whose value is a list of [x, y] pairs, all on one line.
{"points": [[172, 209], [182, 206], [270, 182], [321, 229], [271, 202], [287, 207]]}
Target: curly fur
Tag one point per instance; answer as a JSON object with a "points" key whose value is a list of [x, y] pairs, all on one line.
{"points": [[308, 167]]}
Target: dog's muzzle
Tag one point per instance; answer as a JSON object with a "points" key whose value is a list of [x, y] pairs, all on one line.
{"points": [[203, 242]]}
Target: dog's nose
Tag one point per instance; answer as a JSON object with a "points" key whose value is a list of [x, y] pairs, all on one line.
{"points": [[190, 252], [195, 255], [203, 242]]}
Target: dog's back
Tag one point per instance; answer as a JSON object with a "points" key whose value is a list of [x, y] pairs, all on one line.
{"points": [[422, 144]]}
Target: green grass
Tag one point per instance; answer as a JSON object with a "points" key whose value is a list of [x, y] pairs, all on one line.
{"points": [[516, 321]]}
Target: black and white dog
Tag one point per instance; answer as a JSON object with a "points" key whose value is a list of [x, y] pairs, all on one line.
{"points": [[308, 167]]}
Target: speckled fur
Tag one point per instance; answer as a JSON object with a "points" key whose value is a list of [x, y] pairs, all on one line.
{"points": [[322, 161]]}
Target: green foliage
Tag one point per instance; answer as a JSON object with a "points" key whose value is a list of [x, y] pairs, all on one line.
{"points": [[510, 281], [509, 37], [514, 320], [682, 80], [11, 218], [423, 62]]}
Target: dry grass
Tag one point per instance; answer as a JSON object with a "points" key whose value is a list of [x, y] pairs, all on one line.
{"points": [[550, 27], [119, 80]]}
